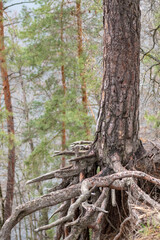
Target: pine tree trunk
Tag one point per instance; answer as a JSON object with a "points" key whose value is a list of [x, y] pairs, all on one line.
{"points": [[64, 87], [80, 56], [10, 122], [118, 119]]}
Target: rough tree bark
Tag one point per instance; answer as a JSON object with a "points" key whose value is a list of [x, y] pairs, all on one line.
{"points": [[118, 119], [10, 122], [106, 202]]}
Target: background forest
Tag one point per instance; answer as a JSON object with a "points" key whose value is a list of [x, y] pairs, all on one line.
{"points": [[52, 54]]}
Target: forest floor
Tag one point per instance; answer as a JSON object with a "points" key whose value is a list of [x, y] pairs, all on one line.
{"points": [[147, 233], [151, 227]]}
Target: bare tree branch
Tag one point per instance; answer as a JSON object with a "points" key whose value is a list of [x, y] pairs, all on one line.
{"points": [[61, 173], [66, 153], [81, 142], [14, 4], [83, 157], [64, 172], [150, 55], [154, 40]]}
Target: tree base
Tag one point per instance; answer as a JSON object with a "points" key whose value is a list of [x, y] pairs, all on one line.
{"points": [[98, 204]]}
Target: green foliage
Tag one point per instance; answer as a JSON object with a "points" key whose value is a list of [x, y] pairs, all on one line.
{"points": [[3, 115], [36, 53], [40, 58], [4, 136], [153, 119]]}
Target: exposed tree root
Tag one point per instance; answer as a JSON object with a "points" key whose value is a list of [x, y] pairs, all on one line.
{"points": [[121, 228], [93, 199], [83, 197]]}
